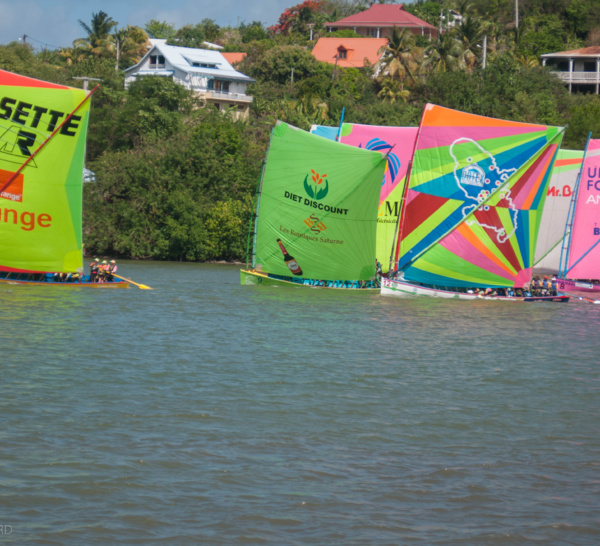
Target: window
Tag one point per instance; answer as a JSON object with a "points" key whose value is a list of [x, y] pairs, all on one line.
{"points": [[589, 66], [157, 61], [342, 53], [218, 85]]}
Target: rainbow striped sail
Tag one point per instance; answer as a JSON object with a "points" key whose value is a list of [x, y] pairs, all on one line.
{"points": [[42, 145], [474, 200], [397, 143]]}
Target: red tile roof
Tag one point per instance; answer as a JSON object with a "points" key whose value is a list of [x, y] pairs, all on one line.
{"points": [[233, 58], [383, 15], [593, 51], [357, 50]]}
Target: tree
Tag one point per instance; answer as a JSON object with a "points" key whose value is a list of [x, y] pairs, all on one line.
{"points": [[129, 45], [297, 17], [401, 55], [160, 29], [189, 36], [97, 34], [447, 54]]}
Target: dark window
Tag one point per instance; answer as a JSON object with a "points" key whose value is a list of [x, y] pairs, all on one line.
{"points": [[157, 61], [589, 66], [342, 53], [218, 85]]}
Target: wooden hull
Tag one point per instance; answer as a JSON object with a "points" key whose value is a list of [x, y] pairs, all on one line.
{"points": [[27, 279], [248, 277], [397, 288]]}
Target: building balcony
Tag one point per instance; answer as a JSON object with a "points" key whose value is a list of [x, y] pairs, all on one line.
{"points": [[578, 77], [226, 95]]}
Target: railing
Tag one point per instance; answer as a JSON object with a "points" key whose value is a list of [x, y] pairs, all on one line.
{"points": [[225, 95], [578, 77]]}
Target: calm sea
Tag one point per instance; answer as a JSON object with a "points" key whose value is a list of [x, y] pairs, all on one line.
{"points": [[205, 412]]}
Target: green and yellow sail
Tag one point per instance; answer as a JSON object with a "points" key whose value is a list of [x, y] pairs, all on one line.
{"points": [[43, 130]]}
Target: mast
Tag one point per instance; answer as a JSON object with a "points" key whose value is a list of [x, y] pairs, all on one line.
{"points": [[339, 135], [400, 221], [566, 242], [251, 258]]}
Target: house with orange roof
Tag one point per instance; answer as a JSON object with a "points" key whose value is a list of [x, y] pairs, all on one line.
{"points": [[349, 52], [233, 58], [379, 20], [578, 68]]}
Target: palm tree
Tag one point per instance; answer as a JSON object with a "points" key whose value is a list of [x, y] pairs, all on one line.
{"points": [[446, 55], [401, 55], [393, 90], [98, 35], [128, 45], [471, 31]]}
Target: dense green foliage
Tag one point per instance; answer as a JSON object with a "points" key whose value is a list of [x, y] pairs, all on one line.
{"points": [[175, 179]]}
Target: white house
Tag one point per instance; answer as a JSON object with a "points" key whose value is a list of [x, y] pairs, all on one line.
{"points": [[578, 68], [204, 71]]}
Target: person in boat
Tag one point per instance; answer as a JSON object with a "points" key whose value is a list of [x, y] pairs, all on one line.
{"points": [[526, 291], [102, 271], [510, 292], [545, 286], [94, 270], [378, 268], [111, 270], [554, 286]]}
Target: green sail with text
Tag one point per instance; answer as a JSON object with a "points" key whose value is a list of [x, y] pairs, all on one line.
{"points": [[318, 206], [41, 166]]}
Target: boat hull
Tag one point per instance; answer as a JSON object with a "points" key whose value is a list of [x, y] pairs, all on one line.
{"points": [[397, 288], [248, 277], [20, 278], [579, 287]]}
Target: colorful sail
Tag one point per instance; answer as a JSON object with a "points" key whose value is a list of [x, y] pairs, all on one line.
{"points": [[397, 143], [584, 251], [40, 203], [556, 209], [473, 206], [317, 215]]}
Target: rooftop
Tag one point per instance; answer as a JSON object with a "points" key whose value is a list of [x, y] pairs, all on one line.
{"points": [[383, 15]]}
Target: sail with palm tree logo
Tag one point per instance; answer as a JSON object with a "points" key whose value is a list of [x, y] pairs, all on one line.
{"points": [[316, 213]]}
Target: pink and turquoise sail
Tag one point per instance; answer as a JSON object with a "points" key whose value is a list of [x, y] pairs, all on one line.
{"points": [[474, 201]]}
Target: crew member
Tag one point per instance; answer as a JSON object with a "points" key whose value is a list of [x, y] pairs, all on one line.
{"points": [[111, 270], [94, 270]]}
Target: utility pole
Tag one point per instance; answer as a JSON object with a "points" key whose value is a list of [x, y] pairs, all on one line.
{"points": [[517, 14], [86, 79], [484, 51]]}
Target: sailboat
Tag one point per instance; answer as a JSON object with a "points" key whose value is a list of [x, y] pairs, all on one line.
{"points": [[398, 144], [315, 214], [42, 146], [472, 207], [562, 184], [579, 270]]}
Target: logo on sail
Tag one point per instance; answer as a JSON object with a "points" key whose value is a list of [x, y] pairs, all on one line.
{"points": [[478, 176], [13, 192], [315, 190]]}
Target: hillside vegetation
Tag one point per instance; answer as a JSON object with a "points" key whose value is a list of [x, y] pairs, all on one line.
{"points": [[175, 179]]}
